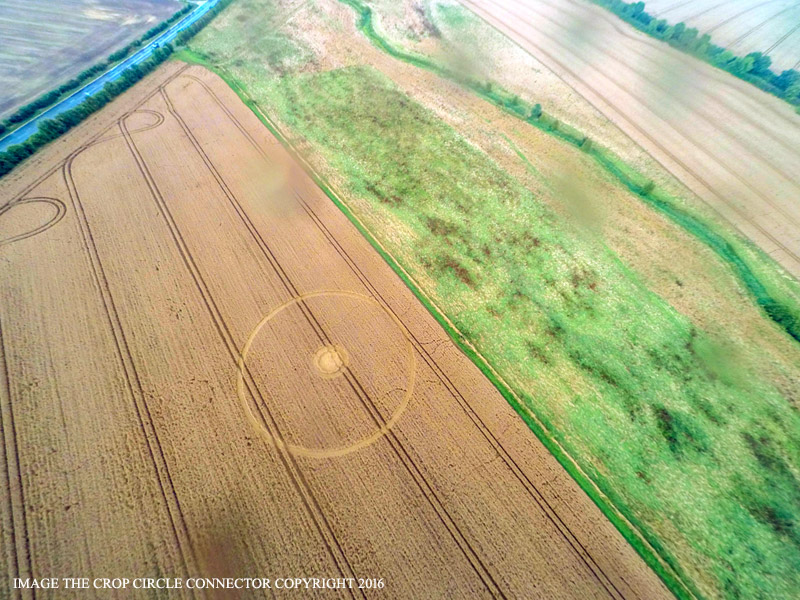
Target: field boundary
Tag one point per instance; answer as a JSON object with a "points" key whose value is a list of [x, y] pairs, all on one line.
{"points": [[426, 489], [633, 533], [785, 316], [733, 252]]}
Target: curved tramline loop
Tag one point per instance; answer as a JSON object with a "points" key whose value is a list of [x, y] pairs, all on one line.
{"points": [[300, 450], [58, 205], [187, 563], [139, 111]]}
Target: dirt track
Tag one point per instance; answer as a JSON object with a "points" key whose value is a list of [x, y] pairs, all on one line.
{"points": [[735, 146], [361, 442]]}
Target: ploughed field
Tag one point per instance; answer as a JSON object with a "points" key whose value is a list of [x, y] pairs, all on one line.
{"points": [[46, 43], [207, 370], [743, 26], [729, 142]]}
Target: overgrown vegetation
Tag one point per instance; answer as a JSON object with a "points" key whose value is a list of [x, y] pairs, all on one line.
{"points": [[769, 292], [50, 129], [656, 411], [46, 100], [754, 67]]}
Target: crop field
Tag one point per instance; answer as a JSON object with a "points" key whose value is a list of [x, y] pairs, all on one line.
{"points": [[208, 370], [47, 42], [627, 339], [743, 26]]}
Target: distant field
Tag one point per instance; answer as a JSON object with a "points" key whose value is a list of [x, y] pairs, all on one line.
{"points": [[771, 26], [46, 42]]}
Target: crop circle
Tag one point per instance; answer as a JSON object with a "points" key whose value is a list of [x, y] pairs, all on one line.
{"points": [[329, 361]]}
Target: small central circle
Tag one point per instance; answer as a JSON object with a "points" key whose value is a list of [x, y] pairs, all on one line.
{"points": [[331, 360]]}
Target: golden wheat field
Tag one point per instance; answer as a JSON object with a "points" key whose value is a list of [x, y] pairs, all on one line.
{"points": [[274, 404]]}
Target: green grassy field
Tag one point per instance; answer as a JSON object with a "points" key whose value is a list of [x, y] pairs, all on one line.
{"points": [[688, 438]]}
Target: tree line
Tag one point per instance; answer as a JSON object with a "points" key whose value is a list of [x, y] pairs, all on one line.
{"points": [[48, 99], [754, 67], [50, 129]]}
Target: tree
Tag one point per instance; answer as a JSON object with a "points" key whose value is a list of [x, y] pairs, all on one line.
{"points": [[786, 79], [703, 45], [677, 30], [761, 64], [635, 10], [741, 65], [792, 93], [688, 38], [659, 27], [723, 59]]}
